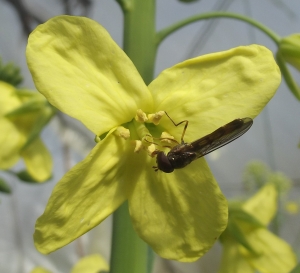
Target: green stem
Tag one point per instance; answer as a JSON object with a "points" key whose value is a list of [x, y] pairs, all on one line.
{"points": [[129, 253], [161, 35], [140, 36]]}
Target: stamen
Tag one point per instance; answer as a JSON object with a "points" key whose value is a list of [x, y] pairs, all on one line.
{"points": [[140, 116], [156, 117], [138, 146], [165, 137], [123, 132], [147, 140], [151, 149]]}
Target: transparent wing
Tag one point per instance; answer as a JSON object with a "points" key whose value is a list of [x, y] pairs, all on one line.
{"points": [[221, 136]]}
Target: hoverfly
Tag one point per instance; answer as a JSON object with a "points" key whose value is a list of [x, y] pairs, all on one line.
{"points": [[184, 153]]}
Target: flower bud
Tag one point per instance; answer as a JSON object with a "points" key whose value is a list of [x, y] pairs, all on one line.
{"points": [[10, 73], [290, 49]]}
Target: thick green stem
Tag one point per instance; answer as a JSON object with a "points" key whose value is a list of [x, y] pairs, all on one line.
{"points": [[129, 253], [204, 16], [139, 36]]}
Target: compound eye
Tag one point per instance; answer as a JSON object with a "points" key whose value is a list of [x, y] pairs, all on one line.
{"points": [[163, 163]]}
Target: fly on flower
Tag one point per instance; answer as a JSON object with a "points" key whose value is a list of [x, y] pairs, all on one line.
{"points": [[184, 153]]}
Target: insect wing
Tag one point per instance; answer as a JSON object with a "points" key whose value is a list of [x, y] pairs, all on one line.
{"points": [[221, 136]]}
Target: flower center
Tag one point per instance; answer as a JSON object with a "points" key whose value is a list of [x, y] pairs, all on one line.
{"points": [[142, 129]]}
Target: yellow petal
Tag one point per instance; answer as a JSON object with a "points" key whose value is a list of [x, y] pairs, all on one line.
{"points": [[10, 138], [9, 99], [13, 131], [214, 89], [275, 254], [40, 270], [180, 214], [292, 207], [85, 196], [84, 73], [91, 264], [38, 160], [232, 260], [17, 127], [10, 143], [263, 205]]}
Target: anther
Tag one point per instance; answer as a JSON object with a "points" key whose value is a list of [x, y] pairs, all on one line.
{"points": [[151, 150], [123, 132], [138, 146], [156, 117], [140, 116], [166, 137]]}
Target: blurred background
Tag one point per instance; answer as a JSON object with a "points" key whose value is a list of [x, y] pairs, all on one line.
{"points": [[273, 138]]}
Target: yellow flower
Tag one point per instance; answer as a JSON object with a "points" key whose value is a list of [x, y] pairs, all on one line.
{"points": [[81, 71], [248, 246], [40, 269], [292, 207], [289, 51], [22, 114], [89, 264]]}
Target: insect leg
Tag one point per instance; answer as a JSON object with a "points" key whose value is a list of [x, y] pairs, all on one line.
{"points": [[161, 138], [155, 168], [176, 124]]}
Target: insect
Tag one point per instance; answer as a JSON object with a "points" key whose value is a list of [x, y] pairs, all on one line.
{"points": [[184, 153]]}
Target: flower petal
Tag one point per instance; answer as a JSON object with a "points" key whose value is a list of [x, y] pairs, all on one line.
{"points": [[86, 195], [275, 254], [10, 143], [214, 89], [91, 264], [38, 160], [40, 270], [16, 128], [181, 214], [10, 138], [84, 73], [232, 260], [263, 205], [9, 99]]}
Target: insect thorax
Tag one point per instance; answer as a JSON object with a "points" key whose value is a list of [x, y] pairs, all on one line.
{"points": [[180, 160]]}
